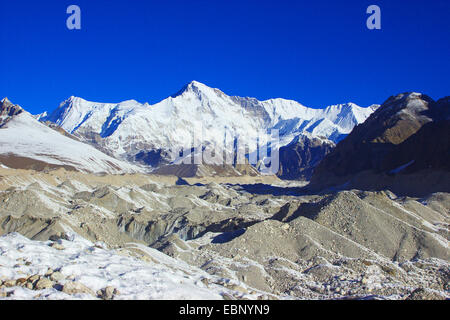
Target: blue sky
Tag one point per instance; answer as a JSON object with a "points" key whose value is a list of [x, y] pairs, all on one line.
{"points": [[316, 52]]}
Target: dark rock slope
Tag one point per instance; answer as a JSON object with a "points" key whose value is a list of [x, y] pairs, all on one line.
{"points": [[403, 146], [299, 158], [7, 111]]}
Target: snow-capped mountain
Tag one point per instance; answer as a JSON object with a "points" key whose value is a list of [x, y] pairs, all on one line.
{"points": [[41, 115], [198, 115], [26, 143]]}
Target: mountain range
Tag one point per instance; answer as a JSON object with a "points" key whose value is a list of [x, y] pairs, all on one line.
{"points": [[372, 223], [338, 146], [25, 143], [197, 117]]}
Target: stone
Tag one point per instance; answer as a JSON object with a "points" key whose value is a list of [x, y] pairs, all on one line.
{"points": [[205, 282], [57, 276], [9, 283], [423, 294], [227, 296], [74, 287], [100, 245], [61, 235], [43, 283], [21, 282], [33, 279], [236, 287], [57, 246], [107, 293]]}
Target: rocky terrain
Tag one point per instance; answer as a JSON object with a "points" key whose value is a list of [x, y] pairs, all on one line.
{"points": [[404, 146], [299, 158], [85, 222], [349, 244]]}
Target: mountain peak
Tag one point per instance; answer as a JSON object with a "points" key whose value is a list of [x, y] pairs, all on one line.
{"points": [[197, 88], [8, 110], [5, 99], [406, 97], [8, 107], [196, 83], [74, 99]]}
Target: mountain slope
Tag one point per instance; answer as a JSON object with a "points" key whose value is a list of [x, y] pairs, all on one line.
{"points": [[28, 144], [197, 116], [299, 158], [409, 134]]}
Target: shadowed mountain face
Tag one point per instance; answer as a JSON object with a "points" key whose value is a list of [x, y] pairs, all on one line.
{"points": [[7, 111], [299, 158], [409, 134]]}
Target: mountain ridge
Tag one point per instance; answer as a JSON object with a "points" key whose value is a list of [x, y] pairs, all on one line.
{"points": [[26, 143], [408, 135], [129, 128]]}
